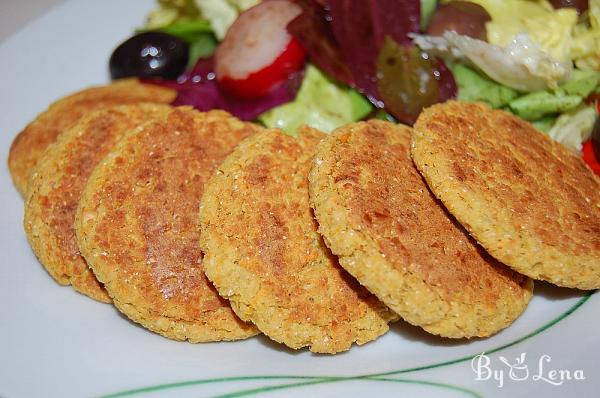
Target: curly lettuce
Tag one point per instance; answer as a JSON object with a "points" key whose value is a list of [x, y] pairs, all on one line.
{"points": [[585, 49], [320, 103], [219, 13], [170, 11], [573, 128], [521, 65], [558, 32], [222, 13]]}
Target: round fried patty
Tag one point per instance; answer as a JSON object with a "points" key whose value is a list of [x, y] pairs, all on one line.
{"points": [[532, 203]]}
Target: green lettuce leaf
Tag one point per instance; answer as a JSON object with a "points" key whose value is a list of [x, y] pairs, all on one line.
{"points": [[564, 99], [536, 105], [187, 30], [427, 9], [544, 124], [582, 82], [473, 86], [203, 46], [320, 103]]}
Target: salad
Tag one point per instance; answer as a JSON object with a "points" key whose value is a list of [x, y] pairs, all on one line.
{"points": [[327, 63]]}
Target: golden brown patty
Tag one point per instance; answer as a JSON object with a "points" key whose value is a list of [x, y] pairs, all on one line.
{"points": [[56, 185], [529, 201], [390, 233], [136, 224], [263, 252], [30, 143]]}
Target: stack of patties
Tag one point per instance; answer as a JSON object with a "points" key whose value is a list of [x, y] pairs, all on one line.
{"points": [[138, 211], [531, 203], [51, 159], [56, 185], [395, 238], [264, 254], [136, 224], [316, 240], [381, 222]]}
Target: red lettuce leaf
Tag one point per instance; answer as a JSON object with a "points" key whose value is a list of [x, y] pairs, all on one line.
{"points": [[352, 41], [347, 39], [448, 87], [199, 88], [311, 28], [360, 28]]}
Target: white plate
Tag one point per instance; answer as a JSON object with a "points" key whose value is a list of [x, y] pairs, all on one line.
{"points": [[57, 343]]}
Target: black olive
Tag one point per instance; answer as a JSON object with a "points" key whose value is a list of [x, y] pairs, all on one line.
{"points": [[150, 54]]}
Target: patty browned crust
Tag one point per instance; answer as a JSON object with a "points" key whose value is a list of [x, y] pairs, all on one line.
{"points": [[528, 200], [56, 184], [29, 145], [137, 228], [263, 252], [376, 213]]}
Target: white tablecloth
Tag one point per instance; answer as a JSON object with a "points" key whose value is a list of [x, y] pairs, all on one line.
{"points": [[16, 13]]}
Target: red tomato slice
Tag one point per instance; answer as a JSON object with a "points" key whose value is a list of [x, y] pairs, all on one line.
{"points": [[589, 157]]}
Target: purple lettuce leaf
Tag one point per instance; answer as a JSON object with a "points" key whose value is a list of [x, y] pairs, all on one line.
{"points": [[361, 27], [353, 42], [354, 34], [448, 87], [199, 88], [312, 29]]}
